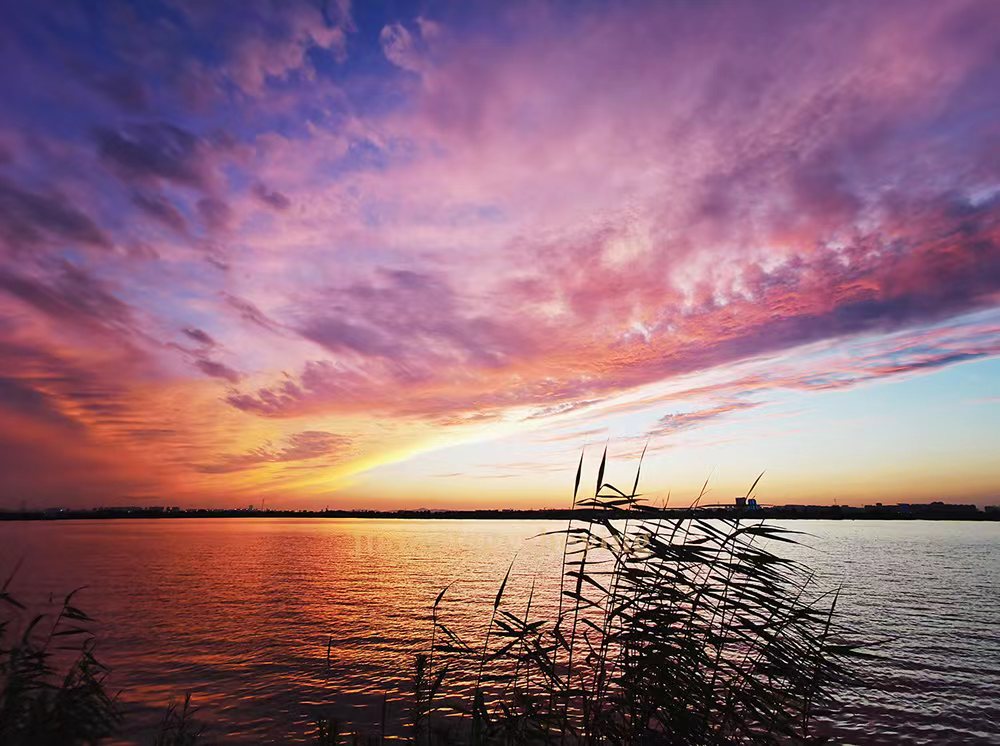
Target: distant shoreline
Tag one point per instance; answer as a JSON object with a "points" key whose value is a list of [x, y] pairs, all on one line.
{"points": [[934, 511]]}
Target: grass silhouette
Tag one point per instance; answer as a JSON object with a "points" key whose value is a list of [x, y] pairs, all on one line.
{"points": [[680, 630], [52, 687]]}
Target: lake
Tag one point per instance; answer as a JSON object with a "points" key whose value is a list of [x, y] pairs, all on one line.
{"points": [[269, 622]]}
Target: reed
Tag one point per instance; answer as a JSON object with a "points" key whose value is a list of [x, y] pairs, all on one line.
{"points": [[179, 726], [52, 687], [684, 630]]}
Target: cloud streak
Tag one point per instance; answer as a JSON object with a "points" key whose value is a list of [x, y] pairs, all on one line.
{"points": [[302, 446]]}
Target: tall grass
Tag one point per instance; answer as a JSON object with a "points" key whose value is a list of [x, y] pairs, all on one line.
{"points": [[179, 726], [52, 687], [679, 630]]}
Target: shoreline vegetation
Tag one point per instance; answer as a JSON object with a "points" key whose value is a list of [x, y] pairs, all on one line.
{"points": [[935, 511], [669, 629]]}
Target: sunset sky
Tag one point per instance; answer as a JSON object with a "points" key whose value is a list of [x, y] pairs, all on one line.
{"points": [[391, 254]]}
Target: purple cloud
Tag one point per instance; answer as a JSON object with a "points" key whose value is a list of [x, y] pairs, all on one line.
{"points": [[161, 209], [28, 218], [215, 369], [155, 153], [271, 198], [71, 295], [200, 336]]}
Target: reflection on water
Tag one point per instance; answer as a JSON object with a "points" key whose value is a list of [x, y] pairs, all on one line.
{"points": [[240, 612]]}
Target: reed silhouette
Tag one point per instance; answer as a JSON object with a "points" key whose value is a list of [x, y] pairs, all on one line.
{"points": [[52, 687], [681, 630]]}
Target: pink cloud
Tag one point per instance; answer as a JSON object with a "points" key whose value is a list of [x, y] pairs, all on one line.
{"points": [[412, 338]]}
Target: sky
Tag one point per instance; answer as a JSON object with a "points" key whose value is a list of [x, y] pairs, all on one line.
{"points": [[425, 254]]}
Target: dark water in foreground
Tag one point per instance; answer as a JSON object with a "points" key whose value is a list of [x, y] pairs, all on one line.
{"points": [[240, 612]]}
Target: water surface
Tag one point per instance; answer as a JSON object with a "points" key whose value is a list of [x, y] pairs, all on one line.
{"points": [[268, 622]]}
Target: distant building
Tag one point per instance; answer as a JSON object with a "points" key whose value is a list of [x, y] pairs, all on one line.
{"points": [[936, 509], [741, 503], [752, 504]]}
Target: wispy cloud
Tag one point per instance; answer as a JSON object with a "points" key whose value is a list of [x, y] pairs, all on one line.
{"points": [[298, 447]]}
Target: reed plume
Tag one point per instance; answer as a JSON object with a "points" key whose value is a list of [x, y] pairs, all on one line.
{"points": [[674, 629]]}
